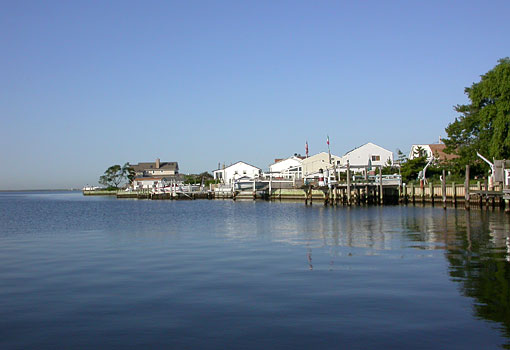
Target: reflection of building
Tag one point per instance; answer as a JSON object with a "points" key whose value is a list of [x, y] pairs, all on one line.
{"points": [[236, 171]]}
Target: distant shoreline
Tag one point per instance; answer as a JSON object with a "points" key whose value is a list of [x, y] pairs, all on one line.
{"points": [[44, 190]]}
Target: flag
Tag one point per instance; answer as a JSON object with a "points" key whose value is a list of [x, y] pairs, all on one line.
{"points": [[306, 148], [327, 141]]}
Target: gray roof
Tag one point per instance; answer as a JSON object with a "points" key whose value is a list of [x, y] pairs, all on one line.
{"points": [[152, 165]]}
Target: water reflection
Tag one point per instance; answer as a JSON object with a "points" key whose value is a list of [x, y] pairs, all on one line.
{"points": [[479, 263], [478, 252], [476, 243]]}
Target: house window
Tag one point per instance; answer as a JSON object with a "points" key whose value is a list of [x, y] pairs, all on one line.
{"points": [[235, 172], [376, 158], [244, 172]]}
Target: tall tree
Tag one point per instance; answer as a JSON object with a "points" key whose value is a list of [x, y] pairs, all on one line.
{"points": [[128, 172], [484, 124], [116, 175]]}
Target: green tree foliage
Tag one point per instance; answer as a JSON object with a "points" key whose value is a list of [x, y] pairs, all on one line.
{"points": [[420, 152], [401, 157], [410, 169], [115, 175], [202, 178], [484, 124], [389, 168]]}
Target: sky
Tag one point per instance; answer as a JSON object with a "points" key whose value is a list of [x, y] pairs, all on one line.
{"points": [[88, 84]]}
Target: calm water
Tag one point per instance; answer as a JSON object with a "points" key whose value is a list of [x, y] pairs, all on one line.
{"points": [[96, 272]]}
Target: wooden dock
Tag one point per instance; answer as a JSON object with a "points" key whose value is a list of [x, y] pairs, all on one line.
{"points": [[352, 190]]}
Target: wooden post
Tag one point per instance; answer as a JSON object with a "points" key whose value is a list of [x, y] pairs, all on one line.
{"points": [[422, 187], [367, 194], [254, 190], [348, 184], [454, 194], [480, 196], [431, 192], [380, 185], [270, 186], [443, 188], [404, 190], [486, 185], [466, 189], [412, 193]]}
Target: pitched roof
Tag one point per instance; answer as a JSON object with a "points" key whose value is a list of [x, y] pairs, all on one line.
{"points": [[368, 143], [438, 151], [152, 165], [237, 163]]}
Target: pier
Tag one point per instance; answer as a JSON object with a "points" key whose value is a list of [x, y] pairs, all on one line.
{"points": [[332, 189]]}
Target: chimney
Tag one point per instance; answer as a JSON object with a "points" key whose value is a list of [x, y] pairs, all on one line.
{"points": [[157, 163]]}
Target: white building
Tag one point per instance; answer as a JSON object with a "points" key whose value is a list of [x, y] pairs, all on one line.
{"points": [[361, 155], [287, 168], [236, 171], [313, 164]]}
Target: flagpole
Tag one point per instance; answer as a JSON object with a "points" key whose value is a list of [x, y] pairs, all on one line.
{"points": [[329, 151], [334, 164]]}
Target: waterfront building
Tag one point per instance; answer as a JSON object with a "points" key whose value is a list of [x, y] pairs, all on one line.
{"points": [[287, 168], [236, 171], [140, 183], [429, 150], [313, 164], [368, 154], [156, 169]]}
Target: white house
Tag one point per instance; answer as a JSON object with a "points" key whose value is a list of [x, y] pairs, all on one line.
{"points": [[236, 171], [313, 164], [287, 168], [361, 155]]}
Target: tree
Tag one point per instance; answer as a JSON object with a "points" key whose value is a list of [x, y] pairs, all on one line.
{"points": [[410, 169], [420, 152], [484, 124], [202, 178], [401, 157], [389, 168], [116, 175], [128, 172]]}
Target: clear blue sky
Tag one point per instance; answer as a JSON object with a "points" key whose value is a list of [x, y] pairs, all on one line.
{"points": [[88, 84]]}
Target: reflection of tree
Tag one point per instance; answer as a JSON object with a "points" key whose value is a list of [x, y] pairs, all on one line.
{"points": [[483, 272], [476, 250]]}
